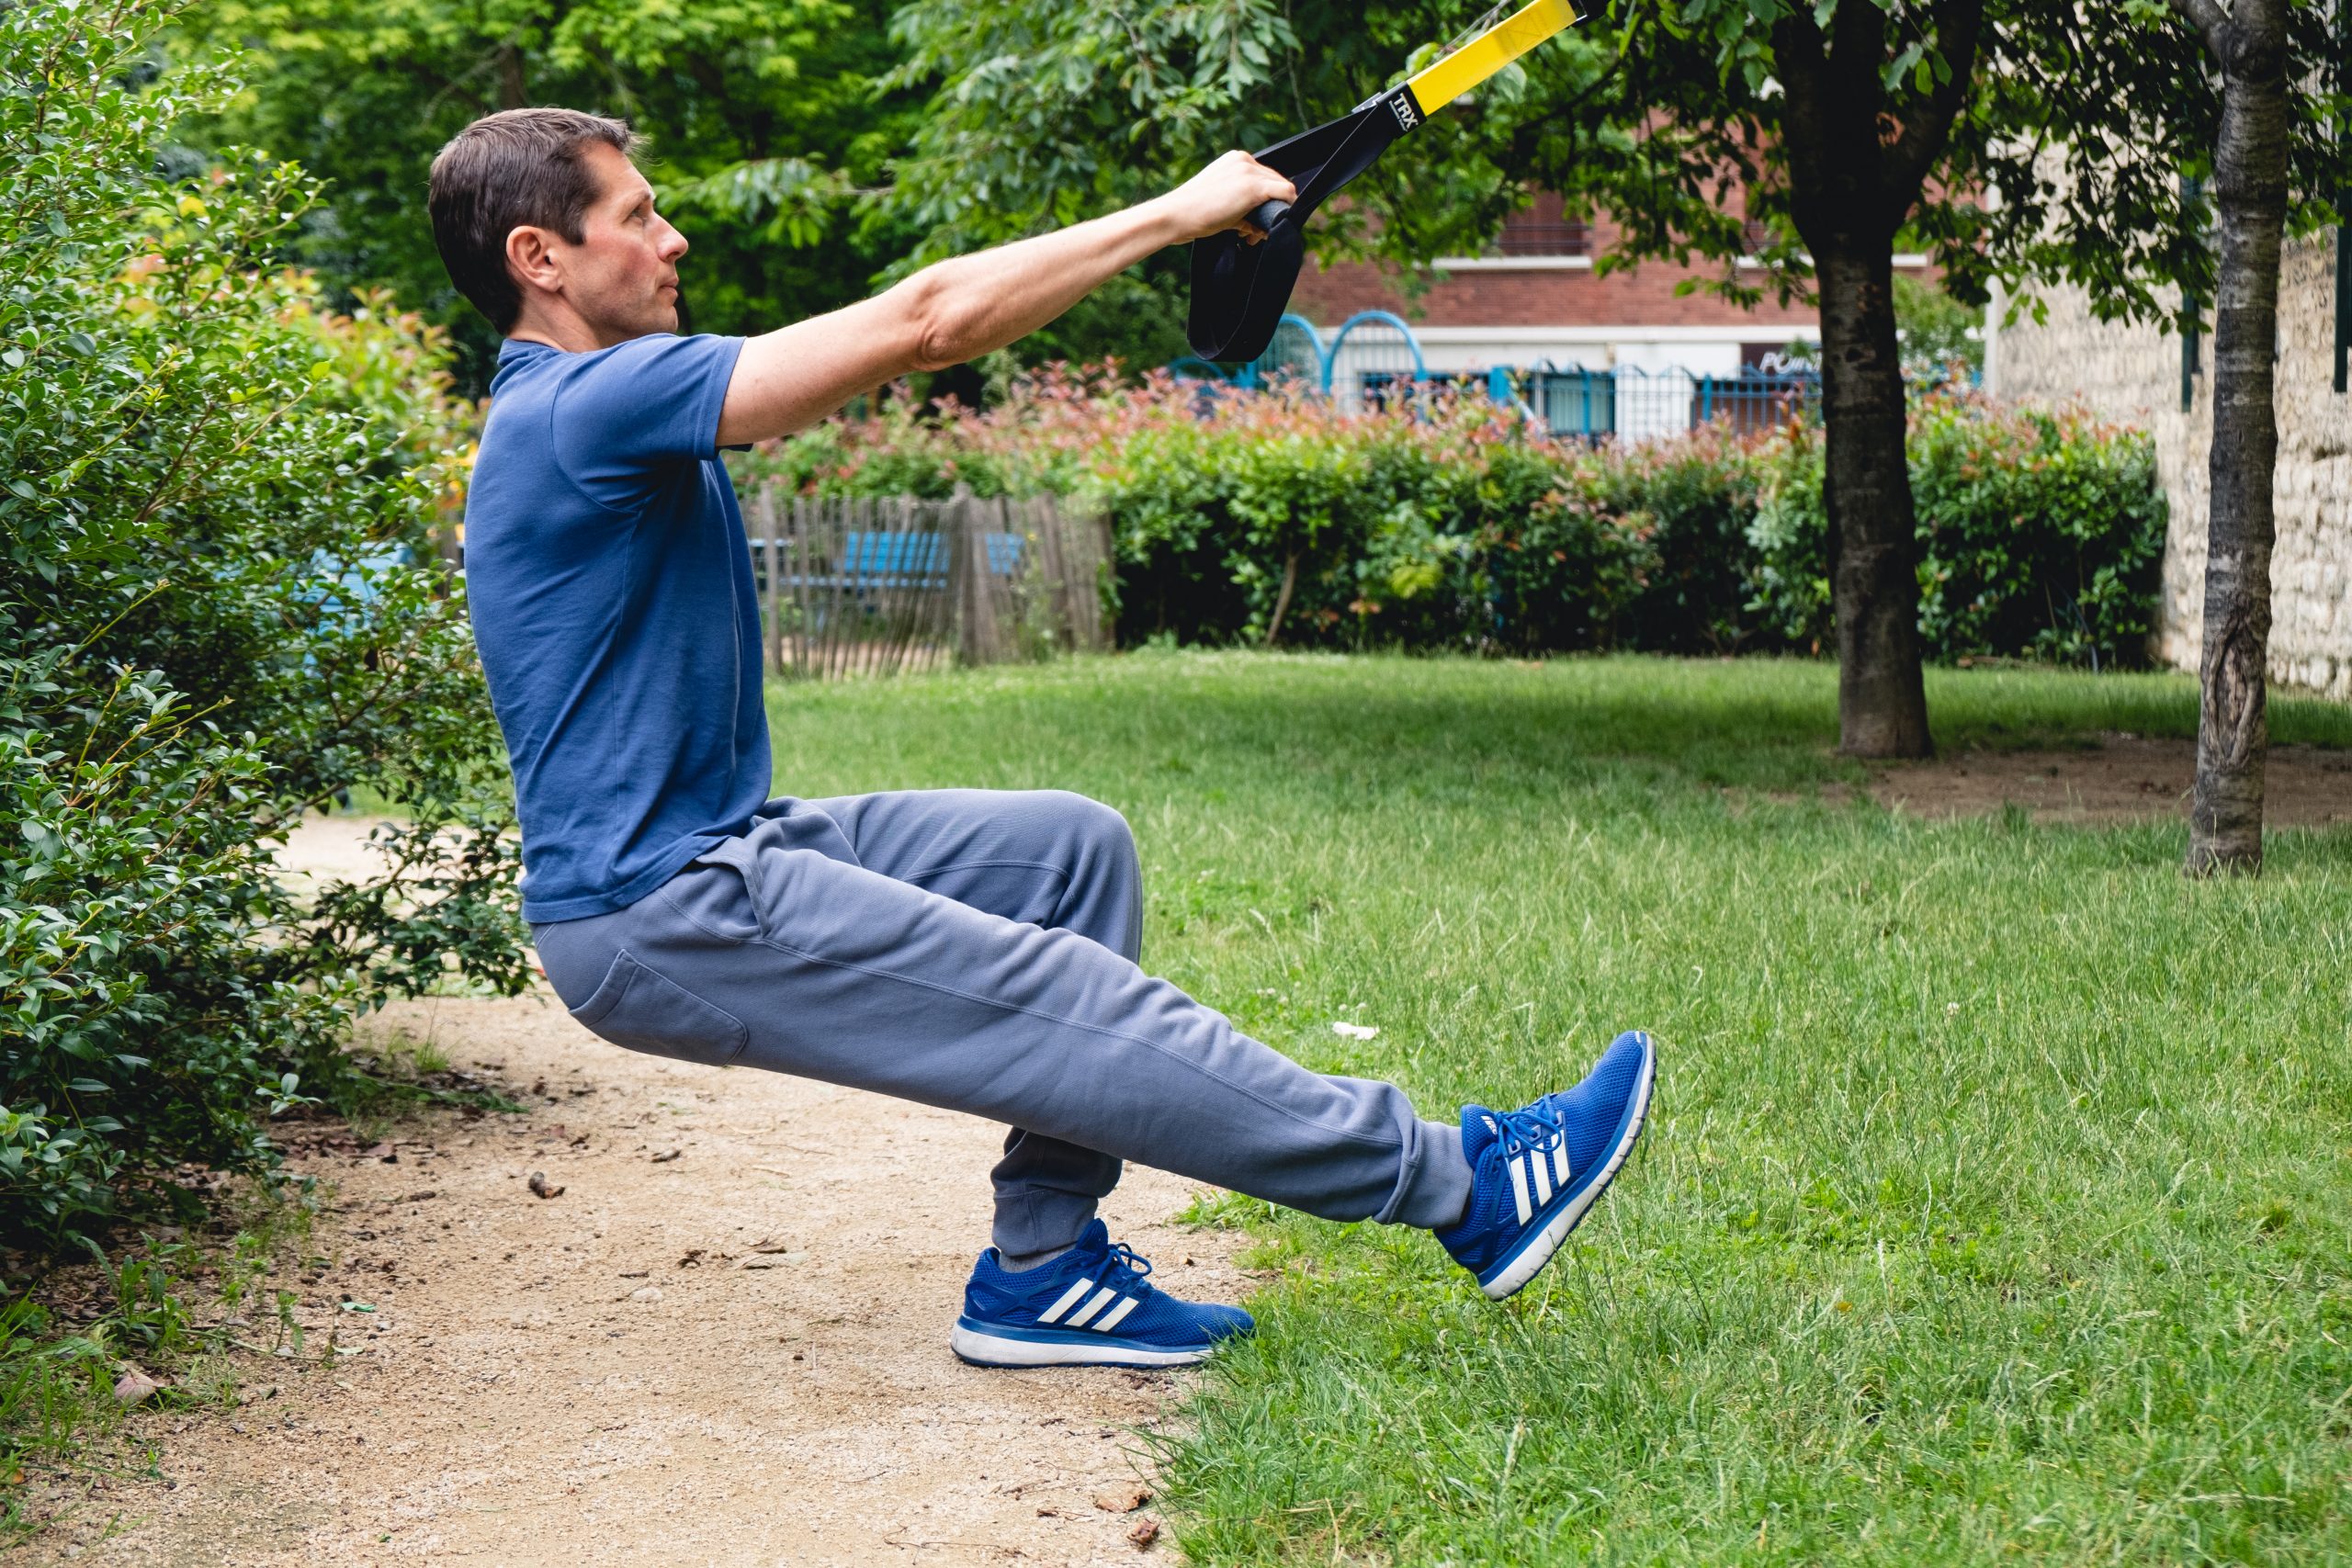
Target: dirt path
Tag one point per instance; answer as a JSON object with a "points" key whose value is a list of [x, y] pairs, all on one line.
{"points": [[734, 1355], [2123, 778]]}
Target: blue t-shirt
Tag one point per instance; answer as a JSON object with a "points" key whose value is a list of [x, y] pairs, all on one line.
{"points": [[610, 584]]}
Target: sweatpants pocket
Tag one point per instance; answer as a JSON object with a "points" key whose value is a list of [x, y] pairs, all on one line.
{"points": [[647, 1012]]}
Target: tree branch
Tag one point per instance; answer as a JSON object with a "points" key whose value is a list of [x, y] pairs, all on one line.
{"points": [[1858, 48], [1925, 123], [2212, 25], [1801, 55]]}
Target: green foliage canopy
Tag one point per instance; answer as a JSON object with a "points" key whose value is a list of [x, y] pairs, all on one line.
{"points": [[763, 117], [1670, 117]]}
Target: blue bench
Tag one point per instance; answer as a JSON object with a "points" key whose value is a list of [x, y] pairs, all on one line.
{"points": [[874, 561], [895, 560]]}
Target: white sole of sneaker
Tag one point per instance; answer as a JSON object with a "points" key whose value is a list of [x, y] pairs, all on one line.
{"points": [[1539, 1251], [992, 1350]]}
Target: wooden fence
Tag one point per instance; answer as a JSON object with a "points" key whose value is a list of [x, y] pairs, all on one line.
{"points": [[875, 587]]}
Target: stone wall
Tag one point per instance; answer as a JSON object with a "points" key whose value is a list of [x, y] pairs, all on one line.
{"points": [[2132, 373]]}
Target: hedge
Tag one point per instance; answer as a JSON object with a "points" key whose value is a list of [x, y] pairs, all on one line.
{"points": [[1448, 524]]}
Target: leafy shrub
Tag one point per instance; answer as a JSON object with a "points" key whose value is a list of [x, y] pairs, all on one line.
{"points": [[2040, 533], [1268, 516], [1694, 500], [1559, 559], [218, 607], [1431, 531]]}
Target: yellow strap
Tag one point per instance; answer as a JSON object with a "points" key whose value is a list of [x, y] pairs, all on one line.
{"points": [[1491, 52]]}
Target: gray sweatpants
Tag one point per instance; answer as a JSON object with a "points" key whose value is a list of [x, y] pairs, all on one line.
{"points": [[976, 949]]}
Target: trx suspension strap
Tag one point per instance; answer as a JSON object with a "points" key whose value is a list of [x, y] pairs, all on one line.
{"points": [[1239, 288]]}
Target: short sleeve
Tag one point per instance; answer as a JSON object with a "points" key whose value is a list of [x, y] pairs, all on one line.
{"points": [[622, 414]]}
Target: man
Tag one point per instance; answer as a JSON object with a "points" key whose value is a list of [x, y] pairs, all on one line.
{"points": [[964, 948]]}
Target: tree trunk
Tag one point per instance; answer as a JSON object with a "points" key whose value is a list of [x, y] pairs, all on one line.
{"points": [[2250, 195], [1874, 524], [1282, 600], [1855, 165]]}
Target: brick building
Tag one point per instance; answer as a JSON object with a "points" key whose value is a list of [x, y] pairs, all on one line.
{"points": [[1535, 297]]}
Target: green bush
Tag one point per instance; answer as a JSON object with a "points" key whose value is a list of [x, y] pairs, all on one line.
{"points": [[1694, 501], [218, 606], [1269, 517], [2040, 534]]}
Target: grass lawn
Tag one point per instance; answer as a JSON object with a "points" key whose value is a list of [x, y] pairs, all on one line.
{"points": [[1997, 1199]]}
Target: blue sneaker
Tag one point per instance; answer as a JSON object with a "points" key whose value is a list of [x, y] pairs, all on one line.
{"points": [[1536, 1170], [1090, 1307]]}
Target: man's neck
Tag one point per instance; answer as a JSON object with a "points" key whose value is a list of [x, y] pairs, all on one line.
{"points": [[566, 329]]}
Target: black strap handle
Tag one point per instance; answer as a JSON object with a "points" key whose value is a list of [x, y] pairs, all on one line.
{"points": [[1267, 214], [1239, 288]]}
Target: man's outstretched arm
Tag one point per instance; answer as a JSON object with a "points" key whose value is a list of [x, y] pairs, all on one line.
{"points": [[960, 309]]}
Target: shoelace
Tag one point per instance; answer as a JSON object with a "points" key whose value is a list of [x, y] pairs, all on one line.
{"points": [[1539, 1129], [1137, 1269]]}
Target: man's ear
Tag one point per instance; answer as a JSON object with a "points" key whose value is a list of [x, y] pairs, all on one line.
{"points": [[531, 258]]}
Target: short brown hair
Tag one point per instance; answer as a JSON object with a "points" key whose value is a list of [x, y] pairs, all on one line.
{"points": [[506, 170]]}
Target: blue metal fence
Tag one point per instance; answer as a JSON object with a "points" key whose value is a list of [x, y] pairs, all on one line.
{"points": [[1590, 405], [1576, 402], [1373, 356]]}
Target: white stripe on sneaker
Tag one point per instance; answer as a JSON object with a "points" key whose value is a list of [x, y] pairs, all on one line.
{"points": [[1519, 1189], [1560, 1161], [1102, 1298], [1070, 1298], [1542, 1168], [1110, 1319]]}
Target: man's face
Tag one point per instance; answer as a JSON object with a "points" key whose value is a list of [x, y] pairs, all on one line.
{"points": [[623, 276]]}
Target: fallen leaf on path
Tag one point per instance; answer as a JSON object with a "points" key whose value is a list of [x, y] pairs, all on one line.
{"points": [[663, 1156], [761, 1260], [542, 1188], [771, 1246], [646, 1293], [1147, 1531], [134, 1386], [1122, 1500], [693, 1259]]}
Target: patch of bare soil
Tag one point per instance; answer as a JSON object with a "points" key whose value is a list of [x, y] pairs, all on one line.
{"points": [[2124, 778], [722, 1339]]}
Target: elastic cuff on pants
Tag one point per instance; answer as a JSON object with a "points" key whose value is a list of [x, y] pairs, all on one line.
{"points": [[1040, 1220], [1433, 1183]]}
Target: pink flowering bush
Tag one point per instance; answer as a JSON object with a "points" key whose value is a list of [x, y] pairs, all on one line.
{"points": [[1270, 517]]}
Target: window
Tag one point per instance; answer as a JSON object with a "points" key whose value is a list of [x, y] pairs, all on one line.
{"points": [[1541, 230]]}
